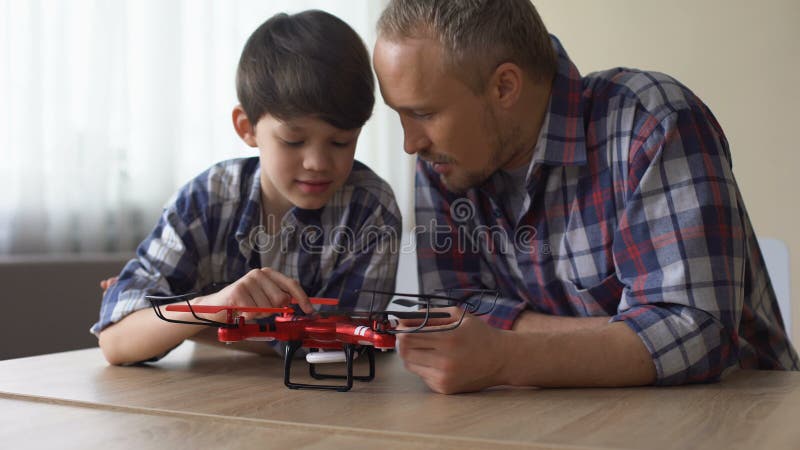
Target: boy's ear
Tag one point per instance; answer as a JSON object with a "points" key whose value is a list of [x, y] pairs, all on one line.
{"points": [[243, 126]]}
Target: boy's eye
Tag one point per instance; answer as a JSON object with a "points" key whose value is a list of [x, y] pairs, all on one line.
{"points": [[340, 144], [293, 143]]}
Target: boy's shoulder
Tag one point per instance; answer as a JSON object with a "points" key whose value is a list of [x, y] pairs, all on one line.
{"points": [[365, 180], [227, 180], [364, 192], [224, 182]]}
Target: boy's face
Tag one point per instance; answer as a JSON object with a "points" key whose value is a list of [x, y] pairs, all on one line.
{"points": [[303, 161]]}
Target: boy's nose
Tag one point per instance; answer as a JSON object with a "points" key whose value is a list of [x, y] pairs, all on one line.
{"points": [[317, 160]]}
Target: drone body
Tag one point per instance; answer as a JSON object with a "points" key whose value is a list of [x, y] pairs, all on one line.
{"points": [[329, 335]]}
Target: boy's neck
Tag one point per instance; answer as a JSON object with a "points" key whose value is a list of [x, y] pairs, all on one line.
{"points": [[272, 215]]}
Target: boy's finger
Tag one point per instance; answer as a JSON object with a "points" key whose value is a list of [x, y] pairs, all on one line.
{"points": [[293, 288], [273, 295]]}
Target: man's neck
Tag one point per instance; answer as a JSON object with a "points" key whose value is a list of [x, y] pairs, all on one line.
{"points": [[529, 119]]}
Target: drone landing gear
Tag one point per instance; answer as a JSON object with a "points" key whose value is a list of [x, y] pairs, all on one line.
{"points": [[349, 350]]}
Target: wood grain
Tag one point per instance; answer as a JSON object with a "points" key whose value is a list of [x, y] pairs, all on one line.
{"points": [[749, 409]]}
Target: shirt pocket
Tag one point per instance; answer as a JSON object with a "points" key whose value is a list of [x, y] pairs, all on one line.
{"points": [[602, 299]]}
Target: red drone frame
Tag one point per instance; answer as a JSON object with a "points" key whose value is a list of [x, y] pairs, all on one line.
{"points": [[346, 334]]}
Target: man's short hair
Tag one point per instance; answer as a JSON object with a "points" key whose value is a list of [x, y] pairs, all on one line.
{"points": [[310, 63], [476, 35]]}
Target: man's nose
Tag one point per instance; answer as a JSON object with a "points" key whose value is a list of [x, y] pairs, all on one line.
{"points": [[414, 138]]}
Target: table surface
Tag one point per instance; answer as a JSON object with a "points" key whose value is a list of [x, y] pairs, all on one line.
{"points": [[206, 396]]}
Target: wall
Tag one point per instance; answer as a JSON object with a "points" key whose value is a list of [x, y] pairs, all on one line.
{"points": [[50, 301], [740, 57]]}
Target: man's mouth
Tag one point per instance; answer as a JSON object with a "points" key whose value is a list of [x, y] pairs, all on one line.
{"points": [[442, 168]]}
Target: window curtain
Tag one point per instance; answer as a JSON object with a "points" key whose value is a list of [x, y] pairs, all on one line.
{"points": [[107, 107]]}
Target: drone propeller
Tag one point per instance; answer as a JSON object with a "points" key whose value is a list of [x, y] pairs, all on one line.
{"points": [[407, 302], [213, 309], [320, 301], [398, 314]]}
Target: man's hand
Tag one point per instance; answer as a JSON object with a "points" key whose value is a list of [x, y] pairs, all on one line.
{"points": [[469, 358], [567, 352]]}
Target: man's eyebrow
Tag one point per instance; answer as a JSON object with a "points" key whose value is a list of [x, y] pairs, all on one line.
{"points": [[407, 108], [404, 108]]}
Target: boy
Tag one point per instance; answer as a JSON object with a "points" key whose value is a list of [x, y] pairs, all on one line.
{"points": [[303, 218]]}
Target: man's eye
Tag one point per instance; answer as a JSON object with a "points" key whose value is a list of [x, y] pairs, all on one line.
{"points": [[293, 143], [340, 144], [421, 115]]}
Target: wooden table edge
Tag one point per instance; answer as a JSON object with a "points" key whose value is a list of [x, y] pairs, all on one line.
{"points": [[447, 441]]}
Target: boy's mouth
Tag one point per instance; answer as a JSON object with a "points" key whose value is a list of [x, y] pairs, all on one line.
{"points": [[313, 186]]}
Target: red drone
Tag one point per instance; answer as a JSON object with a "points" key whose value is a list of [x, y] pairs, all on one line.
{"points": [[342, 334]]}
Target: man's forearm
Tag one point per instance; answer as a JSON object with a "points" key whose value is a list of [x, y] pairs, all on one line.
{"points": [[579, 354], [531, 321]]}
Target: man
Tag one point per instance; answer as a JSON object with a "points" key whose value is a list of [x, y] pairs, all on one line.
{"points": [[602, 209]]}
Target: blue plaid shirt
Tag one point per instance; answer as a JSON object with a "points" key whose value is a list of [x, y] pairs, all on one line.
{"points": [[631, 211], [212, 233]]}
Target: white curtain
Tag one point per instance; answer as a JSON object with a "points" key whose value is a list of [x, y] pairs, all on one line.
{"points": [[107, 107]]}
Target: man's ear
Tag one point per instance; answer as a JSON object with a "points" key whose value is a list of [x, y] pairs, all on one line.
{"points": [[505, 84], [243, 127]]}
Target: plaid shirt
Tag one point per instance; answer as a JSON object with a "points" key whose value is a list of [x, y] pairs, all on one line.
{"points": [[631, 211], [212, 233]]}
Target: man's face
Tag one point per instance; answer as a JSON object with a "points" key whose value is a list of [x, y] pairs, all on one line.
{"points": [[303, 160], [443, 121]]}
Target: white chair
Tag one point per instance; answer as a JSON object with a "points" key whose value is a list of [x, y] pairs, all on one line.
{"points": [[776, 257]]}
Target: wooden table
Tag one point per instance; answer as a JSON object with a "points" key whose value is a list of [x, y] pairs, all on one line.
{"points": [[200, 396]]}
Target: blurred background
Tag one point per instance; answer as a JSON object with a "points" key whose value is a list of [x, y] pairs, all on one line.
{"points": [[107, 107]]}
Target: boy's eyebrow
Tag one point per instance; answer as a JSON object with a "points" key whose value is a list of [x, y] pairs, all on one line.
{"points": [[293, 126]]}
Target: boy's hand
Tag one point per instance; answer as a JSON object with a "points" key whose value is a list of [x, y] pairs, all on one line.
{"points": [[263, 288], [107, 283]]}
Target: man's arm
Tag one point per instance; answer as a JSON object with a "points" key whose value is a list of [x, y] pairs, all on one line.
{"points": [[609, 354], [571, 352], [529, 321]]}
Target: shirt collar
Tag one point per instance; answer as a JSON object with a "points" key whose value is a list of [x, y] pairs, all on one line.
{"points": [[294, 220], [563, 141]]}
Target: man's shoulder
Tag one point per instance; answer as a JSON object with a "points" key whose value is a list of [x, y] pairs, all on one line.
{"points": [[653, 92]]}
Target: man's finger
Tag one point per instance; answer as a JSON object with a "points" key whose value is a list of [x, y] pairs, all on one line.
{"points": [[417, 341], [422, 357]]}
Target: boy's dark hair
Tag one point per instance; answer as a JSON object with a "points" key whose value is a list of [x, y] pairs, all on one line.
{"points": [[310, 63]]}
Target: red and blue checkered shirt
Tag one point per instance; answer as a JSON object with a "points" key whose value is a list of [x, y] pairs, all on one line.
{"points": [[630, 210]]}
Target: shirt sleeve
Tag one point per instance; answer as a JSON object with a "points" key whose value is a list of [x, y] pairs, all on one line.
{"points": [[447, 260], [680, 246], [165, 264]]}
